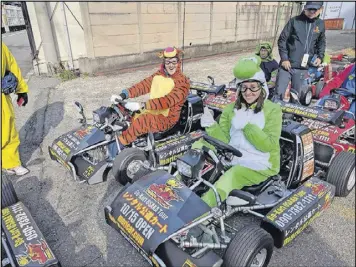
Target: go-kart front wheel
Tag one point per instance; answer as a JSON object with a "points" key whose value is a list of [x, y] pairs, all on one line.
{"points": [[251, 247], [306, 96], [318, 88], [127, 163], [341, 173]]}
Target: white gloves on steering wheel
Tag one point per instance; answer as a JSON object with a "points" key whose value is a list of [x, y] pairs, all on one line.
{"points": [[133, 106], [114, 99], [207, 119]]}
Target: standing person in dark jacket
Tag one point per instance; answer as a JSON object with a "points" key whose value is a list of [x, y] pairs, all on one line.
{"points": [[301, 39]]}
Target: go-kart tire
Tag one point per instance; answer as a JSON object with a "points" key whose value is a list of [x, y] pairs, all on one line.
{"points": [[306, 96], [122, 161], [318, 88], [8, 194], [341, 173], [246, 245]]}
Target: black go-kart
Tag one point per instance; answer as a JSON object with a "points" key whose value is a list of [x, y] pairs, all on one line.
{"points": [[22, 243], [164, 218], [90, 151]]}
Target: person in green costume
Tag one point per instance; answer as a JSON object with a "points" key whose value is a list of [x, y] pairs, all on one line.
{"points": [[268, 64], [252, 125]]}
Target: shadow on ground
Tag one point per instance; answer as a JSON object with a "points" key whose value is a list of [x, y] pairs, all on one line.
{"points": [[36, 129]]}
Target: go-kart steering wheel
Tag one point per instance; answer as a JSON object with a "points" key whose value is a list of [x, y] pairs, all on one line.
{"points": [[222, 146], [335, 90]]}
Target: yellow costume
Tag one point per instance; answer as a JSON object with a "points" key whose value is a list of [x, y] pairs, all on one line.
{"points": [[10, 140]]}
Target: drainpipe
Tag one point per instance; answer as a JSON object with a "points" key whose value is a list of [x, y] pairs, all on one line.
{"points": [[68, 37], [45, 29]]}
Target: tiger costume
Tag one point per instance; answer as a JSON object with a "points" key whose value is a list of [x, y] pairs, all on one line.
{"points": [[167, 94]]}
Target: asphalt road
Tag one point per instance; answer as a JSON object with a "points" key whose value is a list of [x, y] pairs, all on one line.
{"points": [[71, 216]]}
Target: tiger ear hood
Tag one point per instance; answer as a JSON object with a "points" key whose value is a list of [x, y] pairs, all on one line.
{"points": [[170, 52]]}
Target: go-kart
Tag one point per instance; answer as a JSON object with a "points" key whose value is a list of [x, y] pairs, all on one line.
{"points": [[333, 134], [22, 243], [92, 150], [155, 213]]}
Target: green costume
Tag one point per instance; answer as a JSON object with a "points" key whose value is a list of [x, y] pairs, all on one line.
{"points": [[256, 135], [268, 64]]}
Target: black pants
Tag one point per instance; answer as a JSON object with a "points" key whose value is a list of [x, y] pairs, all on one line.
{"points": [[296, 76]]}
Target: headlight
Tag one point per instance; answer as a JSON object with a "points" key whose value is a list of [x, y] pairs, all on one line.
{"points": [[96, 118], [184, 168]]}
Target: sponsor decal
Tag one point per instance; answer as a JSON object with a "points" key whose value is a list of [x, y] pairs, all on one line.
{"points": [[219, 101], [28, 244], [35, 253], [165, 193], [308, 161], [138, 219], [81, 133]]}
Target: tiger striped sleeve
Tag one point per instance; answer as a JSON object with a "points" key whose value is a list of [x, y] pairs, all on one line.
{"points": [[141, 88], [178, 95]]}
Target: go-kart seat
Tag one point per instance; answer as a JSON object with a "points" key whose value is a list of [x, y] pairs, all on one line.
{"points": [[175, 128], [255, 189]]}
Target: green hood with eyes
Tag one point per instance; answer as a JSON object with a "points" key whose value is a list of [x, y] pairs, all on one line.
{"points": [[266, 45]]}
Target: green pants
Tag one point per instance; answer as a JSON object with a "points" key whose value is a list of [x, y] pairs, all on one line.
{"points": [[236, 177]]}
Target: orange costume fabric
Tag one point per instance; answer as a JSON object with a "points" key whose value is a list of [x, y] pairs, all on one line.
{"points": [[160, 113]]}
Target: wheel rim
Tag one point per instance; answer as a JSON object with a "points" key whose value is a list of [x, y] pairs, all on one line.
{"points": [[260, 258], [351, 181], [308, 97], [133, 168]]}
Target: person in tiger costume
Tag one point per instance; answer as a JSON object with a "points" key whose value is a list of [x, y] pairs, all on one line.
{"points": [[168, 89]]}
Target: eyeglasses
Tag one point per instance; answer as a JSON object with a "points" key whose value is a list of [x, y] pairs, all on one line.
{"points": [[252, 89], [174, 62]]}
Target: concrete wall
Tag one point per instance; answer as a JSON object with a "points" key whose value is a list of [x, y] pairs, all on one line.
{"points": [[76, 34], [128, 34]]}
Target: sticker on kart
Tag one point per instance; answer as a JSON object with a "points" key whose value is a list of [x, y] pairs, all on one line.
{"points": [[296, 212], [169, 149], [68, 144], [334, 118], [219, 102], [27, 243], [153, 208]]}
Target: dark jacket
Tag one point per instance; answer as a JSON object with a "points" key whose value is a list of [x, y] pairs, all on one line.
{"points": [[292, 43], [268, 67]]}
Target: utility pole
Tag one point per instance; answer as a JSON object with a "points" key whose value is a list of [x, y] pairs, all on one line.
{"points": [[44, 25]]}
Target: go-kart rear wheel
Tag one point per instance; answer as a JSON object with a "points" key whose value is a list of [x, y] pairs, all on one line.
{"points": [[127, 163], [341, 173], [252, 247], [306, 96], [318, 88], [8, 194]]}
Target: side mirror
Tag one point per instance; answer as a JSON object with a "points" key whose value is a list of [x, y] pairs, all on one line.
{"points": [[211, 80], [79, 107]]}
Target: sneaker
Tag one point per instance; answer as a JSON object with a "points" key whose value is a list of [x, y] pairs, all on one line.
{"points": [[19, 171]]}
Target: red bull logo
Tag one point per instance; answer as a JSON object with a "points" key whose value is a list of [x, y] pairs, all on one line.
{"points": [[35, 253], [165, 193]]}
